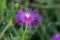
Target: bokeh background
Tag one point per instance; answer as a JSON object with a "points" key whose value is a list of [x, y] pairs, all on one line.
{"points": [[48, 26]]}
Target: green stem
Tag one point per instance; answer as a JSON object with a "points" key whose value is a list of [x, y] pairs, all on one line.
{"points": [[24, 33], [6, 28]]}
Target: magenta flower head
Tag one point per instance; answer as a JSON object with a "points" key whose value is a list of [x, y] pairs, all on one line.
{"points": [[55, 37], [30, 16]]}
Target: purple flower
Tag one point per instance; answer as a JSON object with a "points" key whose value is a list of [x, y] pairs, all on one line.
{"points": [[30, 16], [55, 37]]}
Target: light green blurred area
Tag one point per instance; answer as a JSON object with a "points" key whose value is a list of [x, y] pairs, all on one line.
{"points": [[49, 25]]}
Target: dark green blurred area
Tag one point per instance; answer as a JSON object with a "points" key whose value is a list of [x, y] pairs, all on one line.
{"points": [[49, 25]]}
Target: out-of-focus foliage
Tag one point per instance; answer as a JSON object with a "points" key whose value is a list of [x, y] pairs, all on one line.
{"points": [[49, 25]]}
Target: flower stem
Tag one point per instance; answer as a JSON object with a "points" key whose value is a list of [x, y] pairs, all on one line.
{"points": [[24, 33], [6, 28]]}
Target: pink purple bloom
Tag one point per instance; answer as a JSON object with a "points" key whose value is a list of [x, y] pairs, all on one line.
{"points": [[55, 37], [29, 15]]}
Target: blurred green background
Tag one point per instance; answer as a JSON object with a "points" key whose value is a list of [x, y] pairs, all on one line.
{"points": [[49, 25]]}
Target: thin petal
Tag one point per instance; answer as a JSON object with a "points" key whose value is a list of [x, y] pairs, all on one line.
{"points": [[34, 11], [29, 10], [29, 24], [20, 12], [16, 20]]}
